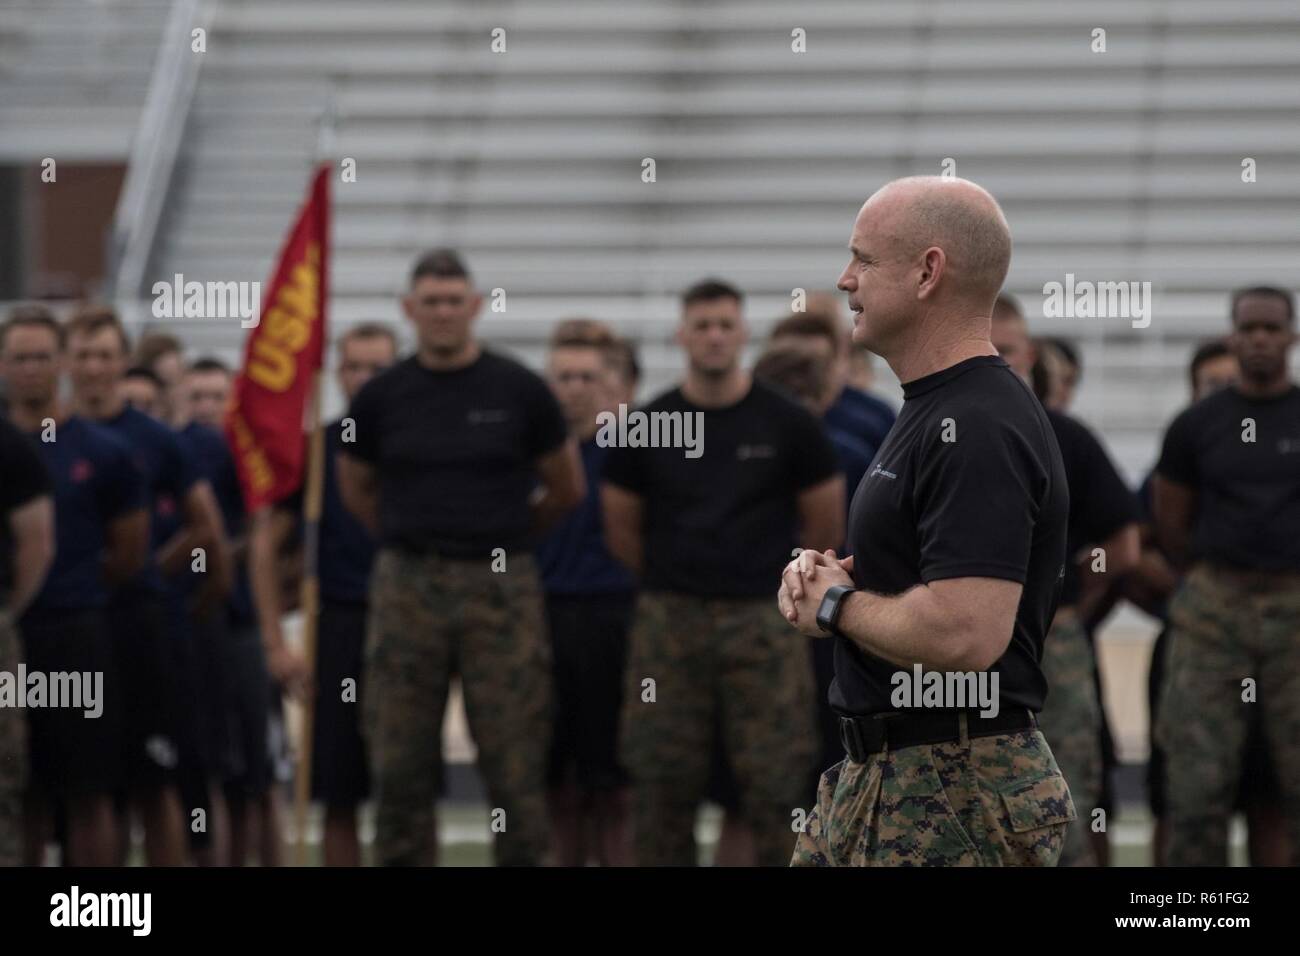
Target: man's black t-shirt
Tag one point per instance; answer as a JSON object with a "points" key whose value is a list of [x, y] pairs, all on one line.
{"points": [[455, 452], [1247, 491], [1100, 502], [969, 483], [23, 476], [724, 524]]}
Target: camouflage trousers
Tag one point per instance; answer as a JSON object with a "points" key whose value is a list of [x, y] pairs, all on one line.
{"points": [[13, 752], [715, 662], [1221, 634], [1071, 722], [979, 801], [431, 617]]}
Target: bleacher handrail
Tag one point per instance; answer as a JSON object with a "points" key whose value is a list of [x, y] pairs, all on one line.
{"points": [[155, 147]]}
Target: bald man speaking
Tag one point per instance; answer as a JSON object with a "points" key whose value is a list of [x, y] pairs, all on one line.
{"points": [[959, 538]]}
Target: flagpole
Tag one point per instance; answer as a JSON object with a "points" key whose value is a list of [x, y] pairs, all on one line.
{"points": [[309, 592], [309, 595]]}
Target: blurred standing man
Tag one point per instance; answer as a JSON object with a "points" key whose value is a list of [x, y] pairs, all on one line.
{"points": [[449, 447], [589, 601], [1103, 515], [252, 738], [959, 535], [161, 354], [144, 643], [340, 775], [1227, 505], [101, 537], [26, 553], [709, 533]]}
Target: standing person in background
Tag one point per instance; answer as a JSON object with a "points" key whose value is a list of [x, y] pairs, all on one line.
{"points": [[101, 541], [1227, 510], [339, 772], [708, 535], [26, 554], [460, 459], [589, 602], [162, 355], [144, 642], [852, 410], [252, 736], [805, 377], [1103, 535]]}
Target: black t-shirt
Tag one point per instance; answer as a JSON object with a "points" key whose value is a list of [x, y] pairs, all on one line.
{"points": [[455, 452], [23, 476], [992, 502], [1247, 492], [1100, 502], [724, 524]]}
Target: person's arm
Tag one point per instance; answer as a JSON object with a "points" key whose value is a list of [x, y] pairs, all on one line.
{"points": [[563, 485], [269, 529], [623, 513], [203, 528], [127, 548], [1175, 510], [31, 526], [359, 489], [953, 624], [821, 514], [1122, 552]]}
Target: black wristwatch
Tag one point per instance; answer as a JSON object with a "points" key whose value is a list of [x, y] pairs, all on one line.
{"points": [[828, 614]]}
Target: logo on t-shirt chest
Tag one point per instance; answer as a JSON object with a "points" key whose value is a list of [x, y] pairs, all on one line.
{"points": [[882, 472], [81, 470], [755, 452], [488, 416]]}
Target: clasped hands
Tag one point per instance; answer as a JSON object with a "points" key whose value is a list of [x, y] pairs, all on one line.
{"points": [[805, 581]]}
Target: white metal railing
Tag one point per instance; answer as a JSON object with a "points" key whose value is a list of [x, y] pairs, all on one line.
{"points": [[155, 147]]}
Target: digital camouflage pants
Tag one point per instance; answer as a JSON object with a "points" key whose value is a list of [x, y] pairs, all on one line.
{"points": [[982, 801], [733, 663], [1071, 722], [430, 618], [1231, 649]]}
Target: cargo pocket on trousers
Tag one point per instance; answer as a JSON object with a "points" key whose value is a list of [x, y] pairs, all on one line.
{"points": [[1036, 813]]}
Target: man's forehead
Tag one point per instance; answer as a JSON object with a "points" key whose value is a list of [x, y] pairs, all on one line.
{"points": [[1261, 307], [441, 286]]}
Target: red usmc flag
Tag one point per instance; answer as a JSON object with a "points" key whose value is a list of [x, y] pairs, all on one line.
{"points": [[264, 424]]}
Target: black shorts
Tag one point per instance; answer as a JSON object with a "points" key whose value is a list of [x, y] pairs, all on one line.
{"points": [[145, 651], [1259, 780], [246, 759], [201, 715], [340, 776], [589, 642], [73, 755]]}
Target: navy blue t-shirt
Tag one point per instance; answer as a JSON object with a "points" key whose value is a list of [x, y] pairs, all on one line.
{"points": [[862, 415], [168, 472], [854, 456], [95, 482], [573, 558]]}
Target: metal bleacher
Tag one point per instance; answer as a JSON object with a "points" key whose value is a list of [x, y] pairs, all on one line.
{"points": [[1117, 166]]}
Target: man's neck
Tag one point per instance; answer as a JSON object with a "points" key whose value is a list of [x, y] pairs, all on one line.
{"points": [[31, 416], [935, 348], [1265, 388], [716, 391], [438, 360], [97, 409]]}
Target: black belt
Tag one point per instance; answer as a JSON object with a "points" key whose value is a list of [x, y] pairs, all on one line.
{"points": [[864, 736]]}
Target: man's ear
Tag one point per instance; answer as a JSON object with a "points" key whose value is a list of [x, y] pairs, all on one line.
{"points": [[933, 264], [476, 306], [408, 307]]}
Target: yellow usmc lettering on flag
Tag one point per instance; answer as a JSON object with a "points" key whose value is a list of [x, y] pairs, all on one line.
{"points": [[286, 329], [257, 468]]}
